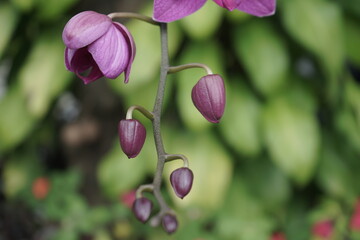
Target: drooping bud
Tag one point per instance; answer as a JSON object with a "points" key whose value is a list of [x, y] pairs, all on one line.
{"points": [[181, 180], [142, 209], [169, 223], [208, 96], [132, 136]]}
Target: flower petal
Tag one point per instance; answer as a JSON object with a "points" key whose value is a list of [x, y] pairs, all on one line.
{"points": [[228, 4], [111, 52], [83, 61], [69, 54], [259, 8], [84, 28], [171, 10], [131, 45]]}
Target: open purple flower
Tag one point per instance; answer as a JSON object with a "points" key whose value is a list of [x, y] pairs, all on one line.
{"points": [[96, 47], [171, 10]]}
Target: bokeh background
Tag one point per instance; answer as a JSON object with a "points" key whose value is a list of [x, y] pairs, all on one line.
{"points": [[282, 164]]}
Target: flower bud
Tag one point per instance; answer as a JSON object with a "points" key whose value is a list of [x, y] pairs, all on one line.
{"points": [[132, 136], [208, 96], [169, 223], [181, 180], [142, 209]]}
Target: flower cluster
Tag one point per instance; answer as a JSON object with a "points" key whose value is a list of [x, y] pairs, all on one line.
{"points": [[96, 47]]}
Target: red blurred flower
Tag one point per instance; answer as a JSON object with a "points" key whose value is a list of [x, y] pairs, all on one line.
{"points": [[355, 218], [323, 229], [278, 236], [128, 198], [41, 187]]}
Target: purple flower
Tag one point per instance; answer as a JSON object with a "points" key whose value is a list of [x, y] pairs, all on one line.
{"points": [[208, 96], [171, 10], [132, 136], [169, 223], [181, 180], [142, 209], [97, 47]]}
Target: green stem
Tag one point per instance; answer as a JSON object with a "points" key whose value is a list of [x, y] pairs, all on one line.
{"points": [[157, 120], [141, 109], [175, 69], [133, 15]]}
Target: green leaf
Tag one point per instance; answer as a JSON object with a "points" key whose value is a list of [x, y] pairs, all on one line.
{"points": [[264, 55], [334, 175], [16, 122], [207, 20], [43, 76], [208, 53], [352, 38], [317, 25], [268, 184], [8, 21], [292, 138], [242, 216], [117, 174], [240, 124]]}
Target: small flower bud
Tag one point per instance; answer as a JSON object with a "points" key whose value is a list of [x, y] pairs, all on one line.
{"points": [[181, 180], [132, 136], [169, 223], [208, 96], [142, 209]]}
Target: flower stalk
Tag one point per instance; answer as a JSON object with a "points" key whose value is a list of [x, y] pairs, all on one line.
{"points": [[134, 16], [175, 69]]}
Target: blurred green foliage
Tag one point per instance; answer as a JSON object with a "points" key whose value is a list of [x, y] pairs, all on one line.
{"points": [[285, 155]]}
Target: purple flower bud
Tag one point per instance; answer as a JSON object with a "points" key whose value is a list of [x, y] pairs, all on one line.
{"points": [[132, 136], [142, 209], [181, 180], [208, 96], [96, 45], [169, 223]]}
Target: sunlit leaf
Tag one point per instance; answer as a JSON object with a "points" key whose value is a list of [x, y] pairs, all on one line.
{"points": [[43, 77], [264, 55], [207, 20], [117, 174], [210, 164], [292, 138], [240, 124], [242, 216]]}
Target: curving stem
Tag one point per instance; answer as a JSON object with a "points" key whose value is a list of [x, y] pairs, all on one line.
{"points": [[175, 69], [141, 109], [133, 15]]}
